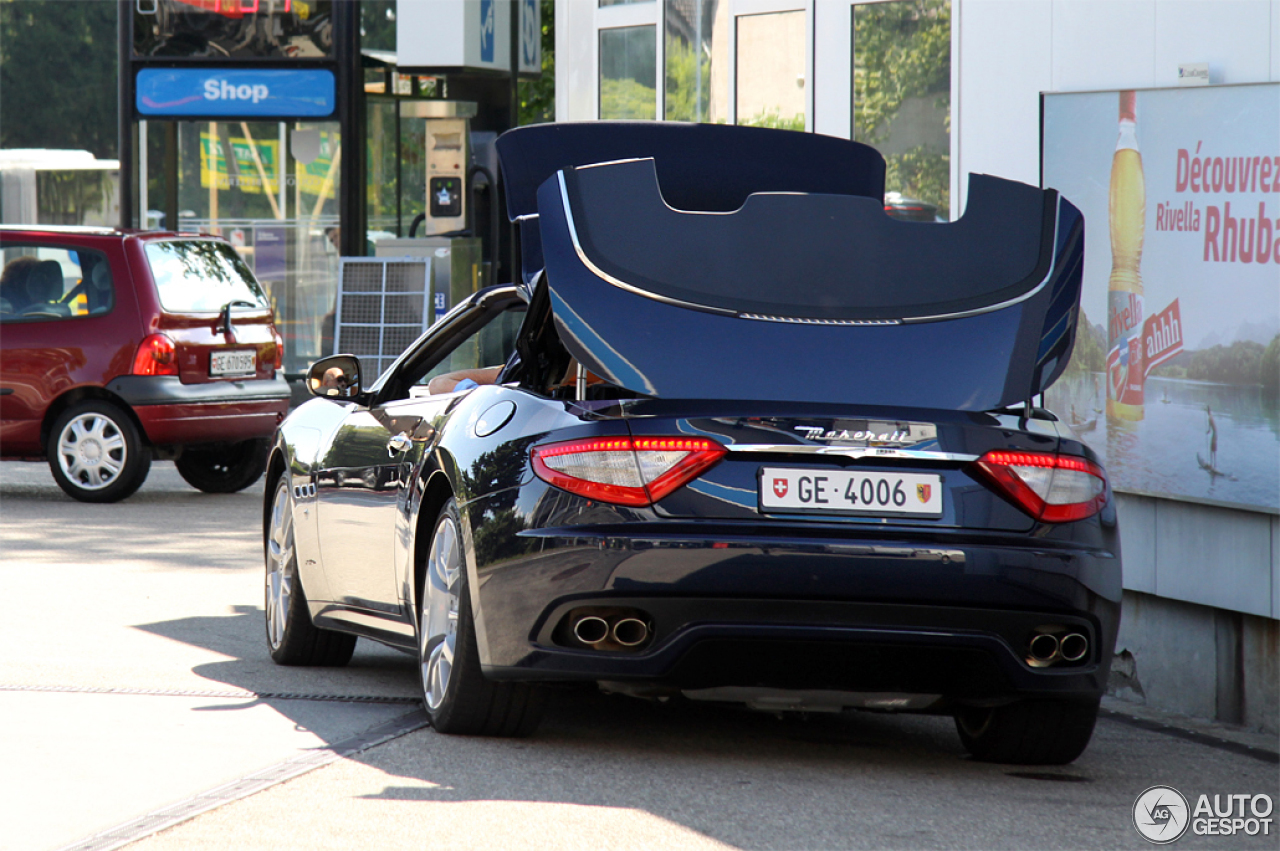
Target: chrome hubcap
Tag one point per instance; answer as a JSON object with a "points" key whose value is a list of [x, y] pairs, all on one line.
{"points": [[439, 629], [279, 564], [92, 451]]}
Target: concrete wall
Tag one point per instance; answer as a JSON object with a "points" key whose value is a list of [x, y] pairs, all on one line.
{"points": [[1198, 661], [1201, 554]]}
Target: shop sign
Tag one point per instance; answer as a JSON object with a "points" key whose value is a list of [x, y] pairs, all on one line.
{"points": [[235, 92]]}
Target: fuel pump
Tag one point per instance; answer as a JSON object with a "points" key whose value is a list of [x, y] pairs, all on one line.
{"points": [[452, 246]]}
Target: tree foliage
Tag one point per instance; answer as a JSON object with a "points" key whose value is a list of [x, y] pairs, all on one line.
{"points": [[1239, 363], [902, 50], [627, 99], [1270, 369], [538, 97], [58, 75]]}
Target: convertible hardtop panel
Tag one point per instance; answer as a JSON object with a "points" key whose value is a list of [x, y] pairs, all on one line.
{"points": [[701, 166], [812, 297], [813, 256]]}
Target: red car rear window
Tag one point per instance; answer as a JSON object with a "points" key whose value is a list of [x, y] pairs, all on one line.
{"points": [[194, 276]]}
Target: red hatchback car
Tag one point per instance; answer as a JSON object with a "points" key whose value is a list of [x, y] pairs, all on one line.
{"points": [[120, 346]]}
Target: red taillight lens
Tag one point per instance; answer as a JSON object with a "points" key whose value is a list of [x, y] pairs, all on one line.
{"points": [[623, 471], [156, 356], [278, 361], [1051, 488]]}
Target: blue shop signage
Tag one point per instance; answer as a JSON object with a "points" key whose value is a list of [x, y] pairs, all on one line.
{"points": [[236, 92]]}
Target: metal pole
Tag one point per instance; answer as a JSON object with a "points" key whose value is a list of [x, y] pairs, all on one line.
{"points": [[514, 118], [144, 166], [513, 122], [351, 192], [124, 91]]}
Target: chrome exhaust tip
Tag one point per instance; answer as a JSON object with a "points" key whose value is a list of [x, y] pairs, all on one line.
{"points": [[591, 629], [1074, 647], [1044, 648], [630, 631]]}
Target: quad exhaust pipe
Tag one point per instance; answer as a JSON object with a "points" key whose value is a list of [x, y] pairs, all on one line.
{"points": [[1073, 647], [591, 630], [630, 632], [611, 631], [1047, 649]]}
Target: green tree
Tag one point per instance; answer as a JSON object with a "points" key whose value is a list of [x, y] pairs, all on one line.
{"points": [[1270, 373], [58, 75], [538, 97]]}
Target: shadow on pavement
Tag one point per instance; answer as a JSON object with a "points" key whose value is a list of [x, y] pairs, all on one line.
{"points": [[375, 675]]}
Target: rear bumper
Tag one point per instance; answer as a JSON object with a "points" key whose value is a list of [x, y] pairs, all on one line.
{"points": [[175, 413], [885, 617]]}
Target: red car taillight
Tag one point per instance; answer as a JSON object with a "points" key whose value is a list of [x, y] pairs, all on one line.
{"points": [[278, 361], [623, 471], [1051, 488], [156, 356]]}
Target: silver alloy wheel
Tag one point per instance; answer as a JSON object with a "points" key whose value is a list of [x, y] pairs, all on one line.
{"points": [[92, 451], [279, 564], [439, 628]]}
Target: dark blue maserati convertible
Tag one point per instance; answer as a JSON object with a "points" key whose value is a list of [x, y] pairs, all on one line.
{"points": [[749, 440]]}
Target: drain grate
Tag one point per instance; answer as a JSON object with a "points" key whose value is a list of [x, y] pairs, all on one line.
{"points": [[230, 695]]}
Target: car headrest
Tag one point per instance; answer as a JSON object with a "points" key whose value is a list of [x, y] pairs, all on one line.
{"points": [[100, 278], [45, 281]]}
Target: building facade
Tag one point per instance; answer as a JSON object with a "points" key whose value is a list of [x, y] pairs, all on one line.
{"points": [[945, 88]]}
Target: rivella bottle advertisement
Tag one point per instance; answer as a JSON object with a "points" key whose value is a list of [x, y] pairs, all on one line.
{"points": [[1127, 207], [1175, 377]]}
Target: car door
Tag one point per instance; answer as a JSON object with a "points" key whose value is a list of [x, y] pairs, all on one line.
{"points": [[67, 322], [362, 476]]}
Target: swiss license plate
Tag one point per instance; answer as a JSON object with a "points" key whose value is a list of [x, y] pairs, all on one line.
{"points": [[850, 492], [236, 362]]}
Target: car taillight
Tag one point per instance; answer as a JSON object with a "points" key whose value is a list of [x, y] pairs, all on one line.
{"points": [[622, 470], [278, 361], [1051, 488], [156, 356]]}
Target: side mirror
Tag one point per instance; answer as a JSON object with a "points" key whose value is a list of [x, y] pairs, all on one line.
{"points": [[336, 377]]}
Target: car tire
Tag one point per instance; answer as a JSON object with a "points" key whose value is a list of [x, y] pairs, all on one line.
{"points": [[292, 638], [1029, 732], [224, 468], [96, 453], [458, 698]]}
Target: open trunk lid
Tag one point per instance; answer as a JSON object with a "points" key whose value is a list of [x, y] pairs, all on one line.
{"points": [[811, 297]]}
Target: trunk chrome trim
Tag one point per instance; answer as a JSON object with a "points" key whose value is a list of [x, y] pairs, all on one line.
{"points": [[856, 452], [605, 276]]}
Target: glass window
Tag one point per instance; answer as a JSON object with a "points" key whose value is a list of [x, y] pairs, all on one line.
{"points": [[41, 282], [696, 50], [233, 29], [628, 73], [902, 100], [201, 275], [271, 189], [771, 59], [491, 345], [382, 158]]}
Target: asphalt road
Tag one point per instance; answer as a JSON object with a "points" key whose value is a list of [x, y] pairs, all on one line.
{"points": [[138, 703]]}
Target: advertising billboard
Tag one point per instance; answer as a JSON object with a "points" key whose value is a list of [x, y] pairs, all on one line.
{"points": [[1176, 370]]}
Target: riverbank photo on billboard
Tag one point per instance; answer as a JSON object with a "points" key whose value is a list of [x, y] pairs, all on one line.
{"points": [[1175, 372]]}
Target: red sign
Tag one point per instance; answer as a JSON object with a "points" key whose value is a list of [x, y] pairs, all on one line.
{"points": [[1161, 337]]}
